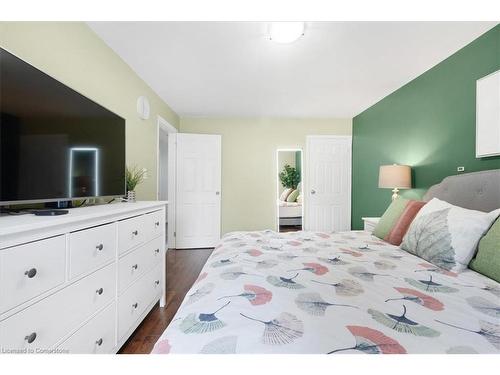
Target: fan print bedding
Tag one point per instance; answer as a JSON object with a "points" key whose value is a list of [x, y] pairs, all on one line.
{"points": [[305, 292]]}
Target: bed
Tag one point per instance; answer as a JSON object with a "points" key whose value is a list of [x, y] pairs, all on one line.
{"points": [[346, 292], [290, 213]]}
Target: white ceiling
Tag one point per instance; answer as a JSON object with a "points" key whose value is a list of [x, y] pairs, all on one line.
{"points": [[337, 69]]}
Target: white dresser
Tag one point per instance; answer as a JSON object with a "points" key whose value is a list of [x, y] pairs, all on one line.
{"points": [[81, 282]]}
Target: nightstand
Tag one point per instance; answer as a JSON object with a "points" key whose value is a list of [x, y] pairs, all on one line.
{"points": [[370, 223]]}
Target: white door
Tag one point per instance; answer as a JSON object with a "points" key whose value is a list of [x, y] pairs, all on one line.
{"points": [[328, 180], [198, 192]]}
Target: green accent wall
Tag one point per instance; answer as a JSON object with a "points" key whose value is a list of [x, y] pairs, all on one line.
{"points": [[428, 124]]}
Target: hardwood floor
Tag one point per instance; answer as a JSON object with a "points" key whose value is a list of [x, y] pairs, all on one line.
{"points": [[290, 228], [183, 267]]}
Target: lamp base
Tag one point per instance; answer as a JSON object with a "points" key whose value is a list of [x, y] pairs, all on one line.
{"points": [[395, 193]]}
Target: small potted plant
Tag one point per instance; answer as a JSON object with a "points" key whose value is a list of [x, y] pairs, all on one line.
{"points": [[289, 177], [133, 177]]}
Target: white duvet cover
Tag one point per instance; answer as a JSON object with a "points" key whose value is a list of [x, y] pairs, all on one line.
{"points": [[305, 292]]}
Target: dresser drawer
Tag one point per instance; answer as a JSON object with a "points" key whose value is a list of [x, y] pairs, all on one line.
{"points": [[46, 322], [130, 233], [29, 270], [138, 262], [154, 224], [98, 336], [135, 300], [91, 248]]}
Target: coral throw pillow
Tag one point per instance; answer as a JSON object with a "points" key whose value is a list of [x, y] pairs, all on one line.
{"points": [[396, 220]]}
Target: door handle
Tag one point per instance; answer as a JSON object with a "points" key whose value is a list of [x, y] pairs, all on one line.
{"points": [[31, 337], [31, 273]]}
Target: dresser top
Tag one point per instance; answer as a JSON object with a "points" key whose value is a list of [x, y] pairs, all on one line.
{"points": [[14, 224]]}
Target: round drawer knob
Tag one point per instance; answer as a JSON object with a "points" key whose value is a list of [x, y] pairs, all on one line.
{"points": [[135, 305], [31, 337], [135, 233], [100, 247], [99, 291], [135, 266], [31, 273], [99, 342], [157, 223], [157, 251], [157, 282]]}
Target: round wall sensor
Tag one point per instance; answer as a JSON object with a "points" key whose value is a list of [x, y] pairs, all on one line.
{"points": [[143, 107]]}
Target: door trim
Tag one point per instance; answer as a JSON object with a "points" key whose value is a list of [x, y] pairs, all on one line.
{"points": [[163, 125], [308, 169]]}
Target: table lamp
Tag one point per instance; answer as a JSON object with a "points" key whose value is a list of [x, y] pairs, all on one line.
{"points": [[394, 177]]}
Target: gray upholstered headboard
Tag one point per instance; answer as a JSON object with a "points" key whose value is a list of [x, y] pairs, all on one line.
{"points": [[476, 191]]}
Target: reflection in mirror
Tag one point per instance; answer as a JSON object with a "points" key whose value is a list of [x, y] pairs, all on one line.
{"points": [[83, 172], [289, 190]]}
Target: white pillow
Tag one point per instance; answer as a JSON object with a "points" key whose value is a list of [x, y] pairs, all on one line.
{"points": [[285, 194], [447, 235]]}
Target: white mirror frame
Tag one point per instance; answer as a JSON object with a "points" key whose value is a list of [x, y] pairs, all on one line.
{"points": [[302, 176]]}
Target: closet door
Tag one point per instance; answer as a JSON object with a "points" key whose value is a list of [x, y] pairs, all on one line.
{"points": [[198, 190], [328, 181]]}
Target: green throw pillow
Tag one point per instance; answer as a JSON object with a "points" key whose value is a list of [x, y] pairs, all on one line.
{"points": [[293, 196], [389, 218], [487, 260]]}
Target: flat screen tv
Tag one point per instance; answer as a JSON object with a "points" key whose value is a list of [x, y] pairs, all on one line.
{"points": [[55, 144]]}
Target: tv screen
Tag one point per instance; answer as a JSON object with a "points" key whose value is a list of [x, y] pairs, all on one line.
{"points": [[55, 144]]}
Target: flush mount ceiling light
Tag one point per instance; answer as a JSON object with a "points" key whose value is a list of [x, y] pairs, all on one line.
{"points": [[286, 32]]}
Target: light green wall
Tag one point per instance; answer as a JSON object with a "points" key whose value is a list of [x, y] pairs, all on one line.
{"points": [[249, 162], [73, 54]]}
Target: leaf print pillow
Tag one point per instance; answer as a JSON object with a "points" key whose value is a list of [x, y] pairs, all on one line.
{"points": [[447, 235]]}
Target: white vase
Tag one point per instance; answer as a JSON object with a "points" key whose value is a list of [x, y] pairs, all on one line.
{"points": [[131, 196]]}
